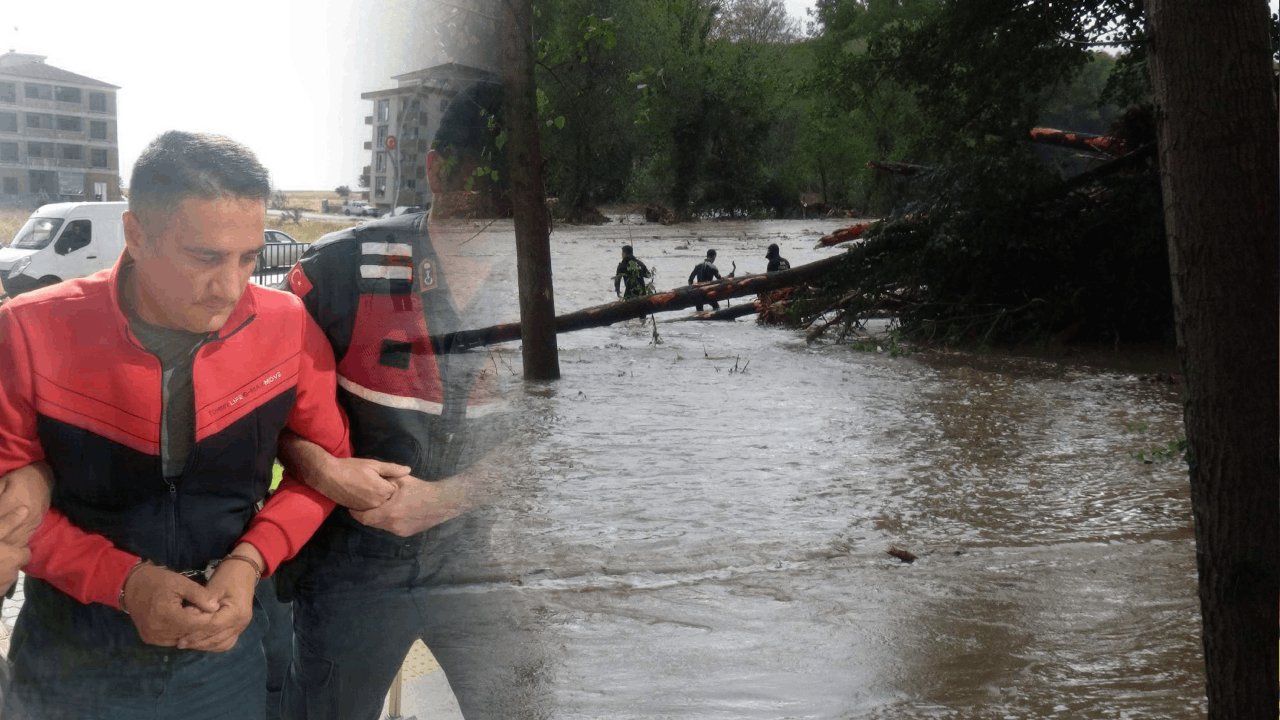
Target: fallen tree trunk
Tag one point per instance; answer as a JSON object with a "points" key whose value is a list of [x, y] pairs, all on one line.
{"points": [[898, 168], [731, 313], [853, 232], [678, 299], [1079, 141]]}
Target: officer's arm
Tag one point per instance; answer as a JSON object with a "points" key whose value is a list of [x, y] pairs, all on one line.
{"points": [[322, 279], [419, 505], [356, 483]]}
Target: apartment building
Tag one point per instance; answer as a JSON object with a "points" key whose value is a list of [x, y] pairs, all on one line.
{"points": [[57, 134], [410, 113]]}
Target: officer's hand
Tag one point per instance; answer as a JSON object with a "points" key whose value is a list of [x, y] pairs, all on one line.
{"points": [[417, 506], [28, 487], [358, 483], [154, 598], [12, 556], [233, 584]]}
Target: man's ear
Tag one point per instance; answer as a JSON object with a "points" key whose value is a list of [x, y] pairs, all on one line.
{"points": [[135, 236], [437, 172]]}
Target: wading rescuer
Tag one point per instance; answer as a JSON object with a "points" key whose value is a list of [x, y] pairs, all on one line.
{"points": [[632, 272], [706, 271], [776, 261], [390, 294], [155, 392]]}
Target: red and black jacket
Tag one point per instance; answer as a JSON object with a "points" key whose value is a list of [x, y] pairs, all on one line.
{"points": [[413, 396], [79, 391]]}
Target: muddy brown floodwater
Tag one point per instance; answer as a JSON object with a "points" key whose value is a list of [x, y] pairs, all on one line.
{"points": [[701, 524]]}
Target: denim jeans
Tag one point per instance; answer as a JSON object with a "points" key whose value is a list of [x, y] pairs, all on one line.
{"points": [[87, 663], [369, 595], [277, 643]]}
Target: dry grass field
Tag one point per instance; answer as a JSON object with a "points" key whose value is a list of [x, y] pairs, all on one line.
{"points": [[307, 230], [309, 200], [10, 221]]}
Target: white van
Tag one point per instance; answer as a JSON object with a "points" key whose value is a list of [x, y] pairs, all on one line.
{"points": [[61, 241]]}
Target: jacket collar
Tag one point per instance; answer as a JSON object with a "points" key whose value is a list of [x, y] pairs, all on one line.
{"points": [[245, 310]]}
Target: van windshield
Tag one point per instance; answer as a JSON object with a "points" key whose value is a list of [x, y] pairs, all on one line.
{"points": [[36, 234]]}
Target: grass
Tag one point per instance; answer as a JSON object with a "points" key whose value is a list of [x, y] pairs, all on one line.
{"points": [[10, 222], [307, 230], [309, 200]]}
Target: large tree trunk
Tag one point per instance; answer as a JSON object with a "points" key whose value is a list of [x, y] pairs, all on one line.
{"points": [[678, 299], [528, 199], [1217, 123]]}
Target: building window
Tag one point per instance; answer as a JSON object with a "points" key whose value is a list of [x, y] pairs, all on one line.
{"points": [[35, 150], [70, 124], [39, 92], [381, 164], [100, 191], [8, 122], [72, 152], [9, 152], [382, 136], [97, 102], [408, 184], [98, 158], [8, 92], [39, 121], [67, 95], [384, 110], [97, 130], [11, 186], [380, 188]]}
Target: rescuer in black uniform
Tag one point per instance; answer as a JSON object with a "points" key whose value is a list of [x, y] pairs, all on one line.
{"points": [[706, 271], [632, 272], [776, 261]]}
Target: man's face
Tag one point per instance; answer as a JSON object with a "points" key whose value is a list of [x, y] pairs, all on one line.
{"points": [[191, 271]]}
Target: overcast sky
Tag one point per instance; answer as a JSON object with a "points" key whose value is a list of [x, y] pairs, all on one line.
{"points": [[281, 76]]}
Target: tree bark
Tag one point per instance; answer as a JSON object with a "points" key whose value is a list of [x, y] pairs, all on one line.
{"points": [[678, 299], [528, 198], [1217, 133]]}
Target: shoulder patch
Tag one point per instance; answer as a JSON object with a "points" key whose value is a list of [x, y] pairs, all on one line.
{"points": [[426, 276]]}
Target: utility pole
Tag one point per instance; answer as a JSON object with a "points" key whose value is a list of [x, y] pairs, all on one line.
{"points": [[528, 197]]}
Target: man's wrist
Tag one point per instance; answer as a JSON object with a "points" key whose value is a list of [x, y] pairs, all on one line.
{"points": [[129, 576]]}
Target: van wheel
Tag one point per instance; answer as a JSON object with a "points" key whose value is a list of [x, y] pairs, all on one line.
{"points": [[347, 213], [48, 280]]}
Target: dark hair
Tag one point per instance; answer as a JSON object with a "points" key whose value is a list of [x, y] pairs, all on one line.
{"points": [[471, 125], [626, 250], [180, 165], [711, 253], [773, 250]]}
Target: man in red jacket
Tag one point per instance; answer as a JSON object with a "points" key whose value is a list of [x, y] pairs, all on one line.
{"points": [[156, 392]]}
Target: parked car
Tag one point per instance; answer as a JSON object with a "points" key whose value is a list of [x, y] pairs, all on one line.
{"points": [[359, 207], [279, 251], [62, 241]]}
